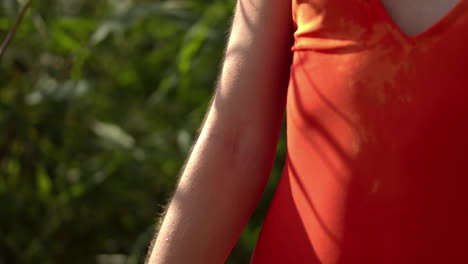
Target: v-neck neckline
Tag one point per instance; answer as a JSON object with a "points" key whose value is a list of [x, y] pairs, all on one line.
{"points": [[444, 21]]}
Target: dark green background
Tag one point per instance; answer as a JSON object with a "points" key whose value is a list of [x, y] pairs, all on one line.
{"points": [[100, 102]]}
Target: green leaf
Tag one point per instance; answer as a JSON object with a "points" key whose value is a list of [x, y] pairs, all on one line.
{"points": [[174, 9], [5, 23], [184, 140], [71, 34], [43, 182], [64, 40], [113, 134], [194, 40]]}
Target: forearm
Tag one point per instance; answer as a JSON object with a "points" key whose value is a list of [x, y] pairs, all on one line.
{"points": [[231, 161], [217, 193]]}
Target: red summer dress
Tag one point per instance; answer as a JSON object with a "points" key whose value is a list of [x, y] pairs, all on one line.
{"points": [[377, 141]]}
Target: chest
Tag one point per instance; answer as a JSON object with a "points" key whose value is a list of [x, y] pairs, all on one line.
{"points": [[353, 60], [414, 16]]}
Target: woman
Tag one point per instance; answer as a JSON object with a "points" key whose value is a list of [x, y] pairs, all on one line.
{"points": [[374, 92]]}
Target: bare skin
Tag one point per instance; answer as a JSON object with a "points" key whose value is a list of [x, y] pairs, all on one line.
{"points": [[230, 163], [414, 16]]}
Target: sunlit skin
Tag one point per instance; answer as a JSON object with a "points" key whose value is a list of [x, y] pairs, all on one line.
{"points": [[413, 16], [227, 170], [231, 161]]}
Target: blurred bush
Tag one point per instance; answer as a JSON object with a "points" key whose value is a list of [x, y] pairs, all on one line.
{"points": [[100, 102]]}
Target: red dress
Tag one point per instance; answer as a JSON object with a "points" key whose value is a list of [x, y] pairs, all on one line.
{"points": [[377, 135]]}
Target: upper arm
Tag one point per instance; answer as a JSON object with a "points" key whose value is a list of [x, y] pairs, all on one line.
{"points": [[252, 85]]}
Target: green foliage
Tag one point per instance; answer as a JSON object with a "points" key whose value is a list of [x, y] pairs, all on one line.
{"points": [[99, 104]]}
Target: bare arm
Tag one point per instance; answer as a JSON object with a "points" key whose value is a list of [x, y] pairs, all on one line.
{"points": [[231, 161]]}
